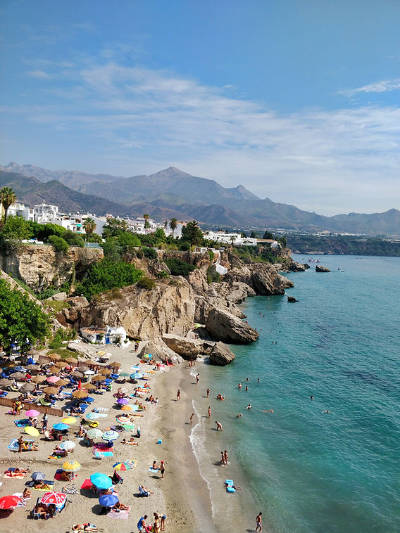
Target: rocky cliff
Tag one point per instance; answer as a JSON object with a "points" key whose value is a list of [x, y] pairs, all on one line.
{"points": [[40, 267]]}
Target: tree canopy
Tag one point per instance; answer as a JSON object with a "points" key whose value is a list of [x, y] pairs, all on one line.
{"points": [[22, 321], [192, 233]]}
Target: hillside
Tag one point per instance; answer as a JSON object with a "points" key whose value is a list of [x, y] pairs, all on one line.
{"points": [[174, 193]]}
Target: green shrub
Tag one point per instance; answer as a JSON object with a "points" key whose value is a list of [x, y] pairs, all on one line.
{"points": [[213, 275], [61, 335], [106, 275], [73, 239], [178, 267], [184, 246], [58, 243], [150, 253], [162, 274], [21, 319], [146, 283]]}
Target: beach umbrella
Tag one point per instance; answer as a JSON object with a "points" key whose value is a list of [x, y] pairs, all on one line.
{"points": [[105, 371], [77, 374], [71, 360], [37, 476], [28, 387], [61, 364], [32, 413], [89, 386], [18, 376], [58, 498], [54, 370], [83, 368], [5, 383], [101, 352], [70, 420], [50, 390], [108, 500], [9, 502], [98, 378], [123, 419], [101, 481], [33, 367], [126, 465], [67, 445], [136, 375], [89, 373], [62, 382], [60, 426], [53, 379], [123, 401], [82, 393], [19, 369], [126, 408], [30, 430], [115, 364], [110, 435], [94, 433], [54, 357], [39, 379], [71, 467]]}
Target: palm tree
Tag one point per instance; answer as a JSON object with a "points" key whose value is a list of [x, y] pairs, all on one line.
{"points": [[89, 225], [7, 197], [146, 220], [173, 224]]}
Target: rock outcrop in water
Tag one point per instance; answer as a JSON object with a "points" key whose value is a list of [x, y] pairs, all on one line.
{"points": [[221, 355], [321, 268], [226, 327]]}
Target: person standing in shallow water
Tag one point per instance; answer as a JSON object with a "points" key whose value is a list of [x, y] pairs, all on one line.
{"points": [[178, 394], [259, 526], [209, 411]]}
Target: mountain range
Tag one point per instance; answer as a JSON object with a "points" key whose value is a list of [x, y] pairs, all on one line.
{"points": [[174, 193]]}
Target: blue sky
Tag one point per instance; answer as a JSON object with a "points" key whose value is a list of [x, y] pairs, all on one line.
{"points": [[296, 100]]}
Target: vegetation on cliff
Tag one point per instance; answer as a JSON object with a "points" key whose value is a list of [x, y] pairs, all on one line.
{"points": [[22, 321]]}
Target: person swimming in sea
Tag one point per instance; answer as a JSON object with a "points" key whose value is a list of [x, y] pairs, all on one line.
{"points": [[249, 406]]}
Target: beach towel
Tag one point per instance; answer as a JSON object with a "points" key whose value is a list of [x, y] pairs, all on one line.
{"points": [[154, 470], [10, 475], [122, 515], [46, 488], [13, 446], [99, 454], [22, 422]]}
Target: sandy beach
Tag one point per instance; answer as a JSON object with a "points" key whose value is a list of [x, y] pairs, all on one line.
{"points": [[183, 495]]}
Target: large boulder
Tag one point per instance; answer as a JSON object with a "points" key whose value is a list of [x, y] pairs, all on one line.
{"points": [[187, 348], [159, 351], [298, 267], [267, 282], [320, 268], [221, 354], [223, 326]]}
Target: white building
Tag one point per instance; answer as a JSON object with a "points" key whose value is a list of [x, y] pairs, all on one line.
{"points": [[21, 210], [234, 239]]}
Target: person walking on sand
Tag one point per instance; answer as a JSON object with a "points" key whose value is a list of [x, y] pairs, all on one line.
{"points": [[259, 526], [162, 523], [209, 411], [178, 395], [208, 393], [225, 457], [162, 469], [222, 458], [191, 419], [197, 378], [219, 425]]}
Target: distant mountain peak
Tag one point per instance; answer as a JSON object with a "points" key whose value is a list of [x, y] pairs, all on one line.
{"points": [[170, 172]]}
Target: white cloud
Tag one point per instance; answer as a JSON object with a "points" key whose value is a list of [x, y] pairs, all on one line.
{"points": [[40, 74], [144, 119], [377, 87]]}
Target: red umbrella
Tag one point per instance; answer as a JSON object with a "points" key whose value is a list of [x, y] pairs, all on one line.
{"points": [[53, 497], [9, 502]]}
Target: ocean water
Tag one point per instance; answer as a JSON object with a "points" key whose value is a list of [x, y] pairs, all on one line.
{"points": [[307, 470]]}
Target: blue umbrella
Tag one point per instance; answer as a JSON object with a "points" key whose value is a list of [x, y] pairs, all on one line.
{"points": [[38, 475], [60, 426], [108, 500], [101, 481], [89, 399], [19, 369]]}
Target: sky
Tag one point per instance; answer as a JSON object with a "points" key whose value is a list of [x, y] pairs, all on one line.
{"points": [[298, 100]]}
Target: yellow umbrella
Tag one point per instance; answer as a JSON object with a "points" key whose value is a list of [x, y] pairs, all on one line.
{"points": [[126, 408], [30, 430], [69, 420], [71, 467]]}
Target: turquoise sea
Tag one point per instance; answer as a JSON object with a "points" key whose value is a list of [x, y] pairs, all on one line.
{"points": [[311, 471]]}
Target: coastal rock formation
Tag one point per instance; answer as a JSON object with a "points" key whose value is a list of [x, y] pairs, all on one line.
{"points": [[292, 299], [71, 314], [221, 354], [261, 277], [40, 267], [224, 326], [320, 268], [298, 267], [145, 314], [159, 350], [187, 348]]}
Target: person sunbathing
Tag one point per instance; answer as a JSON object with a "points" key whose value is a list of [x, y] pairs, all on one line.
{"points": [[120, 507], [143, 491], [26, 494], [15, 472], [40, 484]]}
